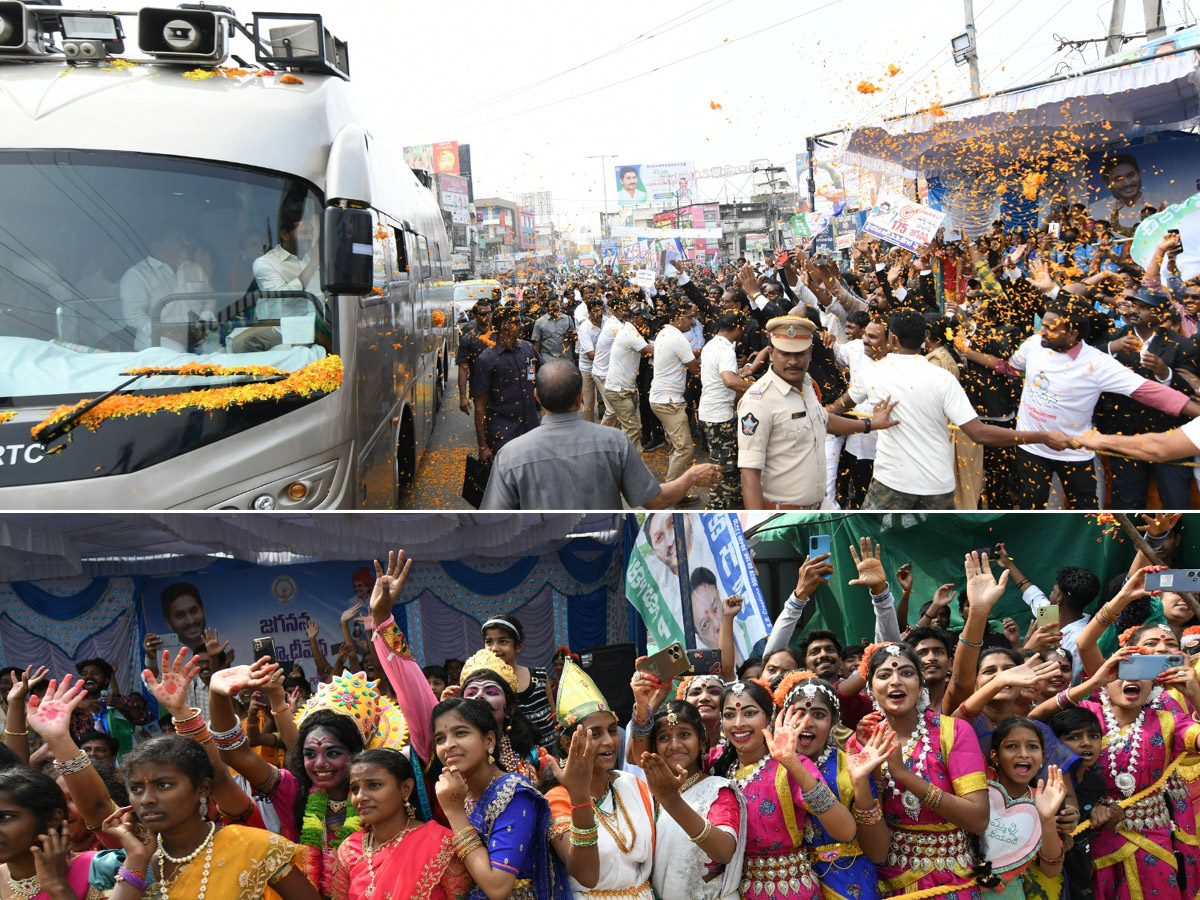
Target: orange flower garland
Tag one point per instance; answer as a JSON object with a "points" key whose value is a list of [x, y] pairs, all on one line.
{"points": [[207, 369], [321, 377], [790, 680], [7, 415]]}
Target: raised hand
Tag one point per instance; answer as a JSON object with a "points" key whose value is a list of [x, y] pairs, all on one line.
{"points": [[812, 574], [1027, 675], [867, 725], [351, 612], [389, 583], [1012, 631], [870, 568], [904, 577], [871, 755], [983, 590], [576, 774], [212, 643], [1158, 524], [659, 778], [1044, 637], [50, 715], [171, 688], [731, 607], [1051, 792], [21, 687], [781, 743], [228, 682], [312, 629]]}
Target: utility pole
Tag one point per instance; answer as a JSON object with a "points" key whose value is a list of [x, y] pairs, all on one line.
{"points": [[973, 57], [1155, 26], [604, 183], [1116, 28]]}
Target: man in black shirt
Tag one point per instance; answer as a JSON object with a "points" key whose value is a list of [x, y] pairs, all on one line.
{"points": [[502, 387], [470, 345]]}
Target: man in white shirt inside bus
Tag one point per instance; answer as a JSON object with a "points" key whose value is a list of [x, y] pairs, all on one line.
{"points": [[291, 265]]}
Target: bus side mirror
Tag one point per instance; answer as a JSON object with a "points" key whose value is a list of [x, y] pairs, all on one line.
{"points": [[347, 252]]}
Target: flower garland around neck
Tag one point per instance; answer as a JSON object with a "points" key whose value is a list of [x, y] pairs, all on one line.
{"points": [[312, 828]]}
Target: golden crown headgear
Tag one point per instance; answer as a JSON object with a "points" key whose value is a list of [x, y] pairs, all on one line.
{"points": [[578, 696], [379, 721], [486, 659]]}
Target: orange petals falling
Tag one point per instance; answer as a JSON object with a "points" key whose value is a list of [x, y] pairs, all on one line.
{"points": [[713, 104], [1031, 183], [936, 110], [439, 318], [321, 377], [6, 415], [377, 291], [289, 78], [867, 87], [893, 70]]}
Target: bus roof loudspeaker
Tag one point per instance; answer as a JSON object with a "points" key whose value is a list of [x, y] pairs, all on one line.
{"points": [[14, 26], [183, 35], [300, 42]]}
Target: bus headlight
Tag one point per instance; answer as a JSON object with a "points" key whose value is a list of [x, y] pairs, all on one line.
{"points": [[297, 491]]}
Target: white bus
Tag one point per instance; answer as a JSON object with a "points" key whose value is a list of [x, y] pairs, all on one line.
{"points": [[162, 209]]}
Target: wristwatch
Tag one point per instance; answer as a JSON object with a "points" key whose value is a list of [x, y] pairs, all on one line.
{"points": [[866, 426]]}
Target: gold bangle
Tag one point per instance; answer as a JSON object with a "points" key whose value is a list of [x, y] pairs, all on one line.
{"points": [[24, 733], [704, 833]]}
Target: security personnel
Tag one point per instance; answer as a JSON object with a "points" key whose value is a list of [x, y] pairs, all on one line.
{"points": [[782, 425]]}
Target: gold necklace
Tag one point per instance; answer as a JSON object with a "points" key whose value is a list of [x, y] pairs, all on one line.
{"points": [[369, 849], [25, 888], [338, 805], [469, 802], [614, 830], [683, 788]]}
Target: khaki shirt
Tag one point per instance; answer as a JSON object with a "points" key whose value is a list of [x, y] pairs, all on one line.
{"points": [[781, 432]]}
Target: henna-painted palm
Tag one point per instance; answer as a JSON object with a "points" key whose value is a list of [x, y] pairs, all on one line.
{"points": [[171, 688], [50, 716]]}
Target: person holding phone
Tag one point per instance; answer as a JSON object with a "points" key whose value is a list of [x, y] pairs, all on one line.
{"points": [[1142, 738]]}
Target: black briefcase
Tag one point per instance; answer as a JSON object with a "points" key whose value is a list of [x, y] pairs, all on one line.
{"points": [[475, 479]]}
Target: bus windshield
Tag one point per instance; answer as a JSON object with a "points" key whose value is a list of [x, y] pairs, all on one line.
{"points": [[114, 261]]}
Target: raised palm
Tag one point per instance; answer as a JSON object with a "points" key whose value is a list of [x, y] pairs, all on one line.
{"points": [[389, 583], [29, 679], [171, 688], [1051, 793], [782, 743], [983, 590], [50, 716], [881, 744], [229, 681]]}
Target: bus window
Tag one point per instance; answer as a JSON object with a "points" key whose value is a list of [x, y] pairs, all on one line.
{"points": [[401, 267], [423, 253]]}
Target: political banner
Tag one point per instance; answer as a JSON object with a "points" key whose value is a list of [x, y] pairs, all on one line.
{"points": [[903, 222], [654, 183], [808, 225], [715, 564], [445, 158], [644, 278], [1182, 217], [278, 602], [1123, 181]]}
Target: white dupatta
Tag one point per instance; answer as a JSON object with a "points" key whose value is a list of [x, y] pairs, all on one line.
{"points": [[679, 864]]}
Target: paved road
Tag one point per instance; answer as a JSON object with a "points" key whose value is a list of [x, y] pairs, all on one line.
{"points": [[439, 475]]}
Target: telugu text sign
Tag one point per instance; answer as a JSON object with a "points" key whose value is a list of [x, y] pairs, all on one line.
{"points": [[902, 222]]}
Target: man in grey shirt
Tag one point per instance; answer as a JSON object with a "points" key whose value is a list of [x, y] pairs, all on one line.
{"points": [[567, 463], [554, 334]]}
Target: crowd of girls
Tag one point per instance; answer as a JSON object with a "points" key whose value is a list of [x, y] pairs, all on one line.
{"points": [[1013, 782]]}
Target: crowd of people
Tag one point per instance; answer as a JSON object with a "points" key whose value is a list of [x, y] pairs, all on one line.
{"points": [[917, 762], [967, 374]]}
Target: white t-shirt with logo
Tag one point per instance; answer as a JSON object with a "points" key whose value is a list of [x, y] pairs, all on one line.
{"points": [[853, 354], [1061, 391], [916, 456], [604, 341], [623, 362], [672, 353], [717, 402], [587, 335]]}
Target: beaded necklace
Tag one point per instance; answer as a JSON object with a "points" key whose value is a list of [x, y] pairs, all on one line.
{"points": [[1118, 739], [914, 754], [25, 888], [206, 846], [369, 850], [742, 780]]}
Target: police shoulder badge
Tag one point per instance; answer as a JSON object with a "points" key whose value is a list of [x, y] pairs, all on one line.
{"points": [[749, 423]]}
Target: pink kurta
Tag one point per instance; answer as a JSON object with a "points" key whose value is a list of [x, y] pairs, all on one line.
{"points": [[1138, 859], [775, 817], [954, 763]]}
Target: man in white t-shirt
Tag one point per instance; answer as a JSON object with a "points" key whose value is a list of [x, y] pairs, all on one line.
{"points": [[1064, 378], [674, 360], [855, 464], [587, 334], [620, 385], [914, 462], [609, 327], [720, 387]]}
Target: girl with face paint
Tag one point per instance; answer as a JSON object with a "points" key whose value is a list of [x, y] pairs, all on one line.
{"points": [[846, 870], [1143, 737], [933, 785], [782, 788], [487, 677], [700, 841]]}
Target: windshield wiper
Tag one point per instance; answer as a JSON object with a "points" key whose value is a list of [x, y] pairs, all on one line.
{"points": [[67, 425]]}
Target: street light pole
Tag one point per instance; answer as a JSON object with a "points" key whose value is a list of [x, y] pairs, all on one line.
{"points": [[604, 183], [973, 59]]}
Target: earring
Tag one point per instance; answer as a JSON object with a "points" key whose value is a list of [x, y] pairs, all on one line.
{"points": [[923, 700], [491, 759], [204, 807], [408, 808], [508, 727], [875, 704]]}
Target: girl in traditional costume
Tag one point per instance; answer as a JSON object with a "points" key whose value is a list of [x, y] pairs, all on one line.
{"points": [[846, 869], [486, 677], [499, 820], [396, 854], [603, 826], [781, 788], [311, 795], [1021, 845], [933, 786], [700, 821], [176, 852]]}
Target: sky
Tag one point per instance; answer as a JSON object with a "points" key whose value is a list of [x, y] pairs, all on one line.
{"points": [[537, 88]]}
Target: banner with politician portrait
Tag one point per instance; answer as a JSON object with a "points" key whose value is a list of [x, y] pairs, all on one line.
{"points": [[714, 564], [642, 183]]}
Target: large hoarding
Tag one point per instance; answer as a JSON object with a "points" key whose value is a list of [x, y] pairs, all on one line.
{"points": [[453, 197], [440, 158], [640, 183]]}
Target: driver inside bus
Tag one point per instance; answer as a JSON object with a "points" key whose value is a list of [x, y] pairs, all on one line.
{"points": [[291, 265], [157, 276]]}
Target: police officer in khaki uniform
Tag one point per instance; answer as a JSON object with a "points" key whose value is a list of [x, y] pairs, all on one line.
{"points": [[782, 425]]}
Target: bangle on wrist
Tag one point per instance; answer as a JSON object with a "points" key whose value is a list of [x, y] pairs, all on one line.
{"points": [[962, 640]]}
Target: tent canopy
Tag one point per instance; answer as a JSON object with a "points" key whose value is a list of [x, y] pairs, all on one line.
{"points": [[1088, 111], [37, 546]]}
